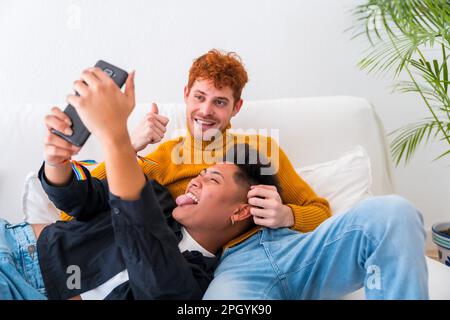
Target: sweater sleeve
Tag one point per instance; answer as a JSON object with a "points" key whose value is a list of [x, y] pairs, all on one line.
{"points": [[153, 171], [309, 210]]}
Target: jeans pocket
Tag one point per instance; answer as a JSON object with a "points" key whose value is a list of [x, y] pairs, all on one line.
{"points": [[16, 225]]}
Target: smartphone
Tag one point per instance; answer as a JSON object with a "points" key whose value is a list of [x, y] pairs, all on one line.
{"points": [[80, 132]]}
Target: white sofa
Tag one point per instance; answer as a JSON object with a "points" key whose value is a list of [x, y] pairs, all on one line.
{"points": [[312, 130]]}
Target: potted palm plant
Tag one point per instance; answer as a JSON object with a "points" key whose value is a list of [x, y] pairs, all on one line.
{"points": [[411, 38]]}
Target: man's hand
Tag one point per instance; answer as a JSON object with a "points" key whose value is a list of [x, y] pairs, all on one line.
{"points": [[102, 107], [268, 209], [57, 150], [150, 130]]}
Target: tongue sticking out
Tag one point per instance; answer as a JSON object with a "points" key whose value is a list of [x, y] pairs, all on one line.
{"points": [[184, 199]]}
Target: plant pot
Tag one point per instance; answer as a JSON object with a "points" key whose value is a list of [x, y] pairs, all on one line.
{"points": [[441, 237]]}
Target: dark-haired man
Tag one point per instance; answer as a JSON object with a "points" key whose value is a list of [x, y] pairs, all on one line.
{"points": [[130, 249]]}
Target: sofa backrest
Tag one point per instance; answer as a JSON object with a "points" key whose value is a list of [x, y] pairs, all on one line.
{"points": [[310, 130]]}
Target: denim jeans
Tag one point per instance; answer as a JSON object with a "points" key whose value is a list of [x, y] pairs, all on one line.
{"points": [[378, 244], [20, 274]]}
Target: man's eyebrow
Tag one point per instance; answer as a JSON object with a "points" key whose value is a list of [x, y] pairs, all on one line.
{"points": [[203, 93], [223, 98], [215, 172]]}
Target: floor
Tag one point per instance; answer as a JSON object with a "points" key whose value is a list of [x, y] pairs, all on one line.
{"points": [[433, 254]]}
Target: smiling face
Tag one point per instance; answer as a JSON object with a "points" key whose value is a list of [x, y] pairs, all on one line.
{"points": [[210, 199], [209, 109]]}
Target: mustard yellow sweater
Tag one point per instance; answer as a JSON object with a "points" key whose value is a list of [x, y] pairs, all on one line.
{"points": [[175, 167]]}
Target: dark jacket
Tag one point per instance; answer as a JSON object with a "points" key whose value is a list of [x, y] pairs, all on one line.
{"points": [[109, 235]]}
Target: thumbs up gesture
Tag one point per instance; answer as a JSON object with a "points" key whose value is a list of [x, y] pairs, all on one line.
{"points": [[150, 130]]}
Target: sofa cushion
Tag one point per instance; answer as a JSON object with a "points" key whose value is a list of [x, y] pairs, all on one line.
{"points": [[343, 181]]}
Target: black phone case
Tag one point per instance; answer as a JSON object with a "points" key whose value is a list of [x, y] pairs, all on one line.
{"points": [[80, 132]]}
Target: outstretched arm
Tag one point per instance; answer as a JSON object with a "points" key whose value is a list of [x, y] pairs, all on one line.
{"points": [[104, 110]]}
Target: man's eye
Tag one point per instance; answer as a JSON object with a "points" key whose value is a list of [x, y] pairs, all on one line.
{"points": [[216, 181], [221, 103], [198, 97]]}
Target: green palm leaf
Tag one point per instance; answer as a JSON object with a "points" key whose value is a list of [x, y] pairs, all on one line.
{"points": [[399, 31], [410, 136]]}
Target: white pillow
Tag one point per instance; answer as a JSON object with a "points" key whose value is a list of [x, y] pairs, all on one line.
{"points": [[37, 208], [343, 182]]}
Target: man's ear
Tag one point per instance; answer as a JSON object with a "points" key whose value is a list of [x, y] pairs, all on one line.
{"points": [[242, 213], [186, 93], [237, 107]]}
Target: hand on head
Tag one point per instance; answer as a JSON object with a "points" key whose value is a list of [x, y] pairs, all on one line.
{"points": [[268, 209]]}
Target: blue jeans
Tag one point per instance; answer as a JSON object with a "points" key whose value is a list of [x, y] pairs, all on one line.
{"points": [[20, 274], [378, 244]]}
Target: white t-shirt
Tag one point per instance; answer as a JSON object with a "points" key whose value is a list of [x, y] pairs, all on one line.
{"points": [[102, 291]]}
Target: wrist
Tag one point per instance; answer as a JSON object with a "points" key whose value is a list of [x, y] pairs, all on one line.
{"points": [[117, 138], [136, 147], [289, 214], [118, 146], [57, 164], [58, 175]]}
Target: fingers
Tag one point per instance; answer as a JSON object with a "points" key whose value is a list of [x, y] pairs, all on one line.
{"points": [[61, 115], [262, 203], [262, 192], [158, 120], [53, 122], [262, 221], [74, 100], [158, 134], [129, 86], [81, 87], [163, 120], [155, 128], [154, 113], [52, 151], [264, 218], [264, 186], [54, 140], [57, 149], [99, 74], [90, 77], [154, 108], [265, 202], [155, 136], [156, 124]]}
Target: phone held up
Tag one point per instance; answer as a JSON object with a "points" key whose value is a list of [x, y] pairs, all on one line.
{"points": [[80, 132]]}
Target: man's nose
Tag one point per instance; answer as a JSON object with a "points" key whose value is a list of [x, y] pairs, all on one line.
{"points": [[196, 183], [206, 109]]}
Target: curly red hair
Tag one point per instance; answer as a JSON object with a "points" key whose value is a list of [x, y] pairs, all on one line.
{"points": [[223, 69]]}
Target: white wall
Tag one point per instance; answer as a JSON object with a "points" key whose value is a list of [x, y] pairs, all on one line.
{"points": [[292, 48]]}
